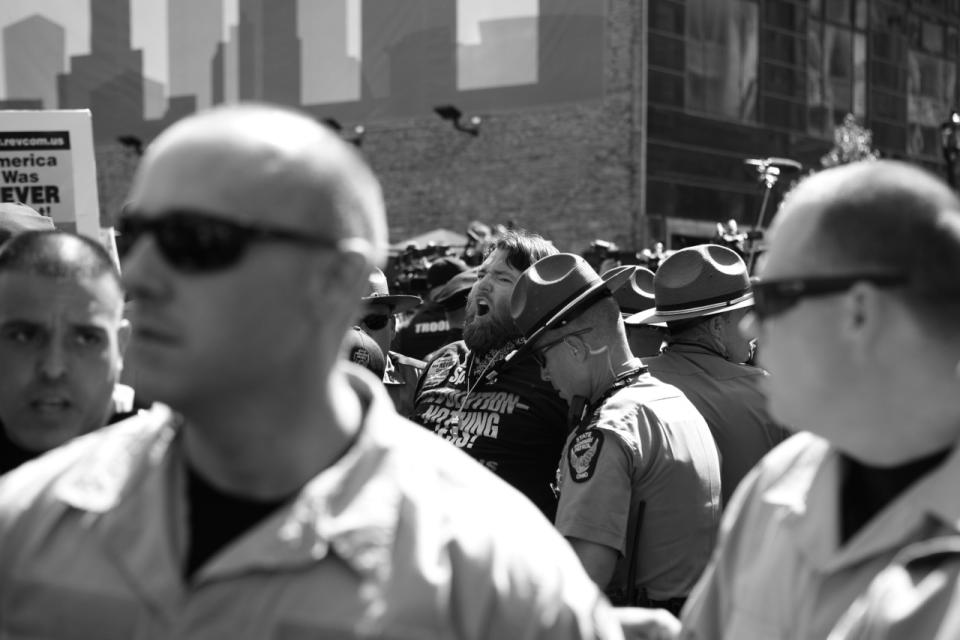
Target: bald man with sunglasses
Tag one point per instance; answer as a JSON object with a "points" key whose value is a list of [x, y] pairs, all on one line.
{"points": [[273, 491], [857, 313]]}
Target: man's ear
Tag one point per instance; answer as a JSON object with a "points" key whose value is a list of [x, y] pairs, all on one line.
{"points": [[717, 324], [578, 347], [860, 318]]}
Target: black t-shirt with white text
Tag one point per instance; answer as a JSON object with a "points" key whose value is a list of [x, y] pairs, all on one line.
{"points": [[506, 417]]}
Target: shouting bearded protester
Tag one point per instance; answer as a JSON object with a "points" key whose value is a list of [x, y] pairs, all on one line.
{"points": [[500, 413]]}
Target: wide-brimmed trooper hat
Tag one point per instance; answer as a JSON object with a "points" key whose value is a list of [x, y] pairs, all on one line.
{"points": [[636, 294], [698, 281], [379, 293], [554, 289]]}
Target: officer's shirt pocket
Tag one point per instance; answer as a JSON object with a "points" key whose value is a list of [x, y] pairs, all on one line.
{"points": [[35, 610]]}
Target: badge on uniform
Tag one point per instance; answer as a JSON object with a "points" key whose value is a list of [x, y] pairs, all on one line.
{"points": [[438, 371], [583, 453]]}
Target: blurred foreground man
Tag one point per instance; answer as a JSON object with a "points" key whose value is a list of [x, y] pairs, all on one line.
{"points": [[289, 500], [857, 314], [639, 479], [62, 335]]}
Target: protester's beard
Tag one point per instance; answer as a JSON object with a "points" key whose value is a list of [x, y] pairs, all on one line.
{"points": [[487, 332]]}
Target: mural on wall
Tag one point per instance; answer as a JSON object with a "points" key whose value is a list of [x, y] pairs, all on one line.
{"points": [[141, 64]]}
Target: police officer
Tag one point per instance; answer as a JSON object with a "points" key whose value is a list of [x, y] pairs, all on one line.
{"points": [[639, 478], [702, 293], [379, 321]]}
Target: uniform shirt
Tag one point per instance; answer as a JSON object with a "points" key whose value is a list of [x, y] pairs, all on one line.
{"points": [[506, 417], [779, 570], [402, 537], [729, 398], [400, 378], [647, 443], [916, 596]]}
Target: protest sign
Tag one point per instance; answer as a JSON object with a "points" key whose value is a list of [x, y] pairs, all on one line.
{"points": [[47, 162]]}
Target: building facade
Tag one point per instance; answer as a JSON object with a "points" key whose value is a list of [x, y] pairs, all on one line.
{"points": [[622, 120]]}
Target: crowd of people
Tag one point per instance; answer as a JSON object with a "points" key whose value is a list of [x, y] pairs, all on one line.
{"points": [[246, 432]]}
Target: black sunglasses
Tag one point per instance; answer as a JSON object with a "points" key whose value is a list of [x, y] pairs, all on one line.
{"points": [[539, 354], [375, 321], [773, 297], [195, 242]]}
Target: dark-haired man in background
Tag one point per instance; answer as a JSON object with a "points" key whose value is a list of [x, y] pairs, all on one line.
{"points": [[62, 336]]}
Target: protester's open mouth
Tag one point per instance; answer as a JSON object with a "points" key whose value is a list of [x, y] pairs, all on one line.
{"points": [[482, 308]]}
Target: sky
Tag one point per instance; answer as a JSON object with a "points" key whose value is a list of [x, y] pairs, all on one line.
{"points": [[149, 25]]}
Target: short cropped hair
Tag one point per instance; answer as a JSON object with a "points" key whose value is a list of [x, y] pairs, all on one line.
{"points": [[523, 248], [896, 217], [57, 254], [602, 316]]}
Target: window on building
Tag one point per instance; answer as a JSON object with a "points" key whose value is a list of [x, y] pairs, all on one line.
{"points": [[721, 58], [931, 94], [497, 43], [836, 64]]}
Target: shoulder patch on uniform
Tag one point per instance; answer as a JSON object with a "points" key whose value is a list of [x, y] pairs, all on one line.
{"points": [[438, 371], [583, 453]]}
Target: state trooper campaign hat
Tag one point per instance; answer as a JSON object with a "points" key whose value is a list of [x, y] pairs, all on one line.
{"points": [[698, 281], [554, 289], [636, 294], [379, 293]]}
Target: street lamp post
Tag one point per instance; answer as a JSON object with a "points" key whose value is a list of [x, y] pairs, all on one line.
{"points": [[950, 144]]}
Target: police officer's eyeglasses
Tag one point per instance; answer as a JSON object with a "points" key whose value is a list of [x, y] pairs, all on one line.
{"points": [[375, 321], [539, 354], [773, 297], [196, 242]]}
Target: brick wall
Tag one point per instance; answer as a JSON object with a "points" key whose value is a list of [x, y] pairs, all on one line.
{"points": [[566, 171]]}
